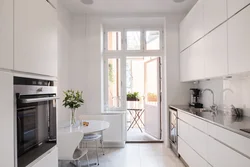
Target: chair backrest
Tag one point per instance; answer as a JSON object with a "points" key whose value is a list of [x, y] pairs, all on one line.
{"points": [[67, 144], [91, 117]]}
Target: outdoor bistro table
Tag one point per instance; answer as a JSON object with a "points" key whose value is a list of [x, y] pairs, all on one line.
{"points": [[136, 117]]}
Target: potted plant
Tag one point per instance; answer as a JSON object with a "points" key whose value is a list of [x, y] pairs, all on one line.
{"points": [[73, 100], [152, 97], [133, 96]]}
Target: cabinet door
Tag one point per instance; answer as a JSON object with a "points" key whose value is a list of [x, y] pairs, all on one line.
{"points": [[184, 34], [196, 22], [236, 5], [35, 37], [215, 13], [185, 62], [216, 52], [50, 160], [197, 61], [220, 155], [189, 155], [6, 34], [239, 42], [6, 120]]}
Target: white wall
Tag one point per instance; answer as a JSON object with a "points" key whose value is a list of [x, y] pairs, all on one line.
{"points": [[177, 92], [234, 91], [64, 41], [85, 63]]}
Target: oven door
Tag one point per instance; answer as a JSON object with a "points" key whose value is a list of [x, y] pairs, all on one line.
{"points": [[173, 126], [36, 122]]}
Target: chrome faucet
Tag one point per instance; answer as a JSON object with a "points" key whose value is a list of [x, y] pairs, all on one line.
{"points": [[214, 107]]}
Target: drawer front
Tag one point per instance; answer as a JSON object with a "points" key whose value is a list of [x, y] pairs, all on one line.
{"points": [[220, 155], [183, 130], [195, 122], [232, 139], [189, 155]]}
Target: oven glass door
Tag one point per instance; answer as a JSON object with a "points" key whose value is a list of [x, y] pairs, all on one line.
{"points": [[33, 123], [173, 126]]}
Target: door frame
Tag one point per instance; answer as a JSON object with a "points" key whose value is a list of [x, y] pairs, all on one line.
{"points": [[163, 94]]}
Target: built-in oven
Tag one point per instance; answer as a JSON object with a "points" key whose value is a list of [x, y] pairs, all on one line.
{"points": [[35, 105], [173, 128]]}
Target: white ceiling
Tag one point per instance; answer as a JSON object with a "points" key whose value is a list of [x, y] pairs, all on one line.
{"points": [[129, 6]]}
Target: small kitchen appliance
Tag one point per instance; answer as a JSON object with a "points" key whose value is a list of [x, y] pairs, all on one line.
{"points": [[195, 98]]}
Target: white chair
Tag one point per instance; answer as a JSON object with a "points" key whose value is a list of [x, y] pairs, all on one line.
{"points": [[68, 148], [93, 137]]}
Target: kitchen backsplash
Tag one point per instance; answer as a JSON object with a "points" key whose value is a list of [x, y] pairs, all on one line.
{"points": [[234, 91]]}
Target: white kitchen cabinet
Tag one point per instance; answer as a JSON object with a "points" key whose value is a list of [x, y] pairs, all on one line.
{"points": [[196, 22], [185, 63], [192, 62], [236, 5], [229, 138], [220, 155], [6, 34], [189, 155], [216, 56], [49, 160], [35, 37], [183, 131], [238, 42], [6, 119], [192, 27], [215, 13]]}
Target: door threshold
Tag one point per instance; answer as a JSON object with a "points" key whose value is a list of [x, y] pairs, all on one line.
{"points": [[127, 142]]}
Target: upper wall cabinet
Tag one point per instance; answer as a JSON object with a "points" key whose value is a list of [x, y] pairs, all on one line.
{"points": [[239, 42], [215, 13], [6, 34], [35, 37], [192, 27], [235, 5], [216, 52]]}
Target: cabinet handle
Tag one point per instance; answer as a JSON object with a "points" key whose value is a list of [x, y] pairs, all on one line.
{"points": [[51, 4]]}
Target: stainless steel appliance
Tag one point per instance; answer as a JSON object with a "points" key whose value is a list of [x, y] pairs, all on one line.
{"points": [[35, 105], [195, 98], [173, 129]]}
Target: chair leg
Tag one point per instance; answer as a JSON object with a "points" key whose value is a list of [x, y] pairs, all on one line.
{"points": [[102, 147], [97, 156], [87, 159]]}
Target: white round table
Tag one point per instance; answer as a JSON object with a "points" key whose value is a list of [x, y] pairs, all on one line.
{"points": [[94, 126]]}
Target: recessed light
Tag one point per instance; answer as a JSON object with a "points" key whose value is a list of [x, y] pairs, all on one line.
{"points": [[87, 2]]}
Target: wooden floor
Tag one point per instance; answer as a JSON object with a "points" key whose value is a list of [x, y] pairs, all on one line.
{"points": [[135, 155]]}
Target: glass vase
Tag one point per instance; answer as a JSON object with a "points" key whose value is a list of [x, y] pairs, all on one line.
{"points": [[73, 121]]}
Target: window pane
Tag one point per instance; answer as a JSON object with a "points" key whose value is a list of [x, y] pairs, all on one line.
{"points": [[152, 40], [114, 40], [114, 83], [133, 40]]}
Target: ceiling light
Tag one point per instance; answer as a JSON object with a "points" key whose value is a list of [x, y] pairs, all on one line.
{"points": [[87, 2], [178, 1]]}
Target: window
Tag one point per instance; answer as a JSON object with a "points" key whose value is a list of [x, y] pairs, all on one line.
{"points": [[133, 40], [114, 83], [152, 40], [114, 41]]}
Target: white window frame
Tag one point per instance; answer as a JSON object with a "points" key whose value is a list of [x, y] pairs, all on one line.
{"points": [[124, 41], [161, 40], [106, 40], [123, 82]]}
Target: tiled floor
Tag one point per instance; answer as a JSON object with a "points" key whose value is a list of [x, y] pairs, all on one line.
{"points": [[134, 134], [135, 155]]}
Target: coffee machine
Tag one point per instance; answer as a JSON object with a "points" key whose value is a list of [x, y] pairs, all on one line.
{"points": [[195, 98]]}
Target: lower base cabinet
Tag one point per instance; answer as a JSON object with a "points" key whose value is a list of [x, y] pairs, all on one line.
{"points": [[220, 155], [50, 160], [190, 156]]}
